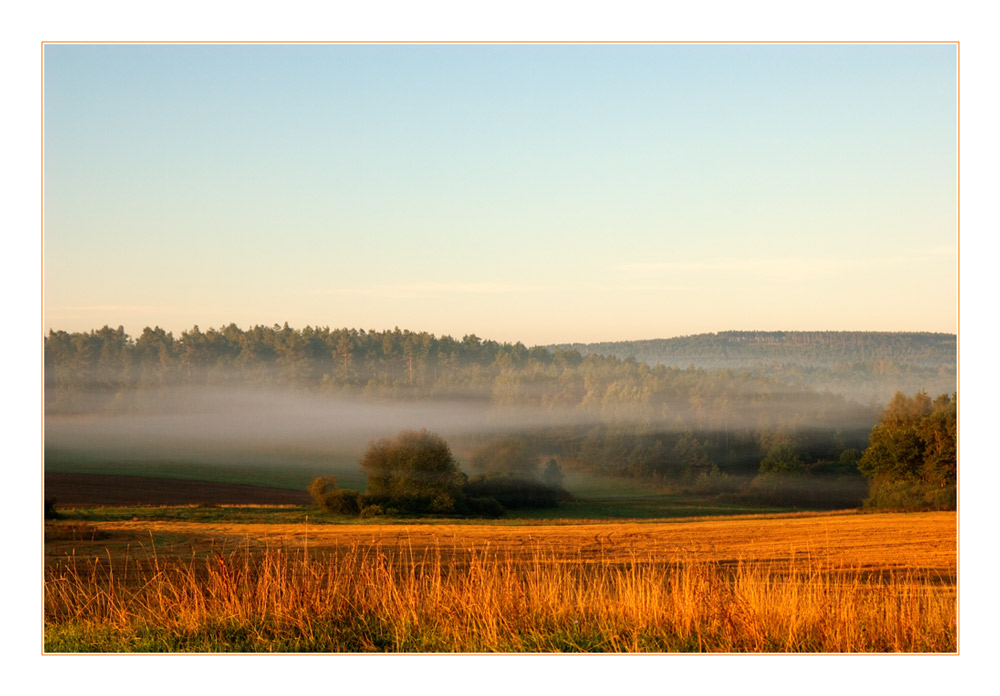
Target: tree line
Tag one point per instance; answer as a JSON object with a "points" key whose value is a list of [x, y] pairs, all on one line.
{"points": [[735, 348], [713, 431], [910, 463], [108, 370], [105, 366], [912, 458], [868, 366], [393, 361]]}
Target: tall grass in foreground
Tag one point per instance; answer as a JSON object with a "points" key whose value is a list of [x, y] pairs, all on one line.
{"points": [[481, 601]]}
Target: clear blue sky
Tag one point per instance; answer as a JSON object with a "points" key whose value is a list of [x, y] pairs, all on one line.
{"points": [[534, 193]]}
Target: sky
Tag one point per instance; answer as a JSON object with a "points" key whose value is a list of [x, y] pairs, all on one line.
{"points": [[546, 193]]}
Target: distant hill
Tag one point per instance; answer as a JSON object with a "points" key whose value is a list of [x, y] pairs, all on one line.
{"points": [[865, 365]]}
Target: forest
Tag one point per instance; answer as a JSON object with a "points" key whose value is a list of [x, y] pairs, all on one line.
{"points": [[736, 432], [867, 366]]}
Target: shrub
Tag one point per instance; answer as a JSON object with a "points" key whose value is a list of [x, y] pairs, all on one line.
{"points": [[713, 482], [513, 492], [803, 490], [489, 508], [910, 495], [442, 504], [326, 495], [344, 502], [321, 487]]}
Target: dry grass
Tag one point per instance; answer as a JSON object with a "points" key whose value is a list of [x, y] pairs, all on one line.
{"points": [[848, 583]]}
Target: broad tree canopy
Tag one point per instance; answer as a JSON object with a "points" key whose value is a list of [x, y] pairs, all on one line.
{"points": [[414, 470]]}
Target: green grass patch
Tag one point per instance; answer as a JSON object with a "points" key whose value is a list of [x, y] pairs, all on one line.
{"points": [[586, 485], [365, 634], [603, 497]]}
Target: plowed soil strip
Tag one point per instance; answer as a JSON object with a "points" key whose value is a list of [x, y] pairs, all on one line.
{"points": [[94, 489]]}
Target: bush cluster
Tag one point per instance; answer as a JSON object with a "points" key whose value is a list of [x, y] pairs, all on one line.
{"points": [[415, 473], [910, 495], [513, 492], [912, 458]]}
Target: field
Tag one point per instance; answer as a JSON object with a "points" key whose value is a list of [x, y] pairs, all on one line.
{"points": [[81, 484], [778, 582]]}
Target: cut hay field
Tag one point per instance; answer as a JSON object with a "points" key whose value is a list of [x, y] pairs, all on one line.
{"points": [[831, 582]]}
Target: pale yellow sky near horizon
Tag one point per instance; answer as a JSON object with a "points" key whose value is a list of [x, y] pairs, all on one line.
{"points": [[533, 193]]}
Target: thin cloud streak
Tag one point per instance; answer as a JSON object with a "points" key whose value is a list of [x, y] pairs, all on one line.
{"points": [[787, 269], [107, 308], [419, 290], [781, 270], [754, 265], [951, 251]]}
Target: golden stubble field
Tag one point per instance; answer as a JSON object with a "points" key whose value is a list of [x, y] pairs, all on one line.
{"points": [[904, 541], [834, 582]]}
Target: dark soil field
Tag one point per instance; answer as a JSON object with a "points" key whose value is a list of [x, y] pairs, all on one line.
{"points": [[69, 490]]}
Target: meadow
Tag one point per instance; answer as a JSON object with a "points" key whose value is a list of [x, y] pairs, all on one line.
{"points": [[778, 582]]}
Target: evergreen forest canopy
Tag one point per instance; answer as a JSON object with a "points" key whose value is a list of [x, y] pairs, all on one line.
{"points": [[719, 431], [867, 366]]}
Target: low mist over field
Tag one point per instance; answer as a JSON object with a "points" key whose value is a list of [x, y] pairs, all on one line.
{"points": [[231, 424], [281, 396], [221, 424]]}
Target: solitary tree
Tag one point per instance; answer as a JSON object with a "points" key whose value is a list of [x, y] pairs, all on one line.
{"points": [[414, 471], [553, 474]]}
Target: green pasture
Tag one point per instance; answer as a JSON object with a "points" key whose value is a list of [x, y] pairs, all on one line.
{"points": [[595, 497]]}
